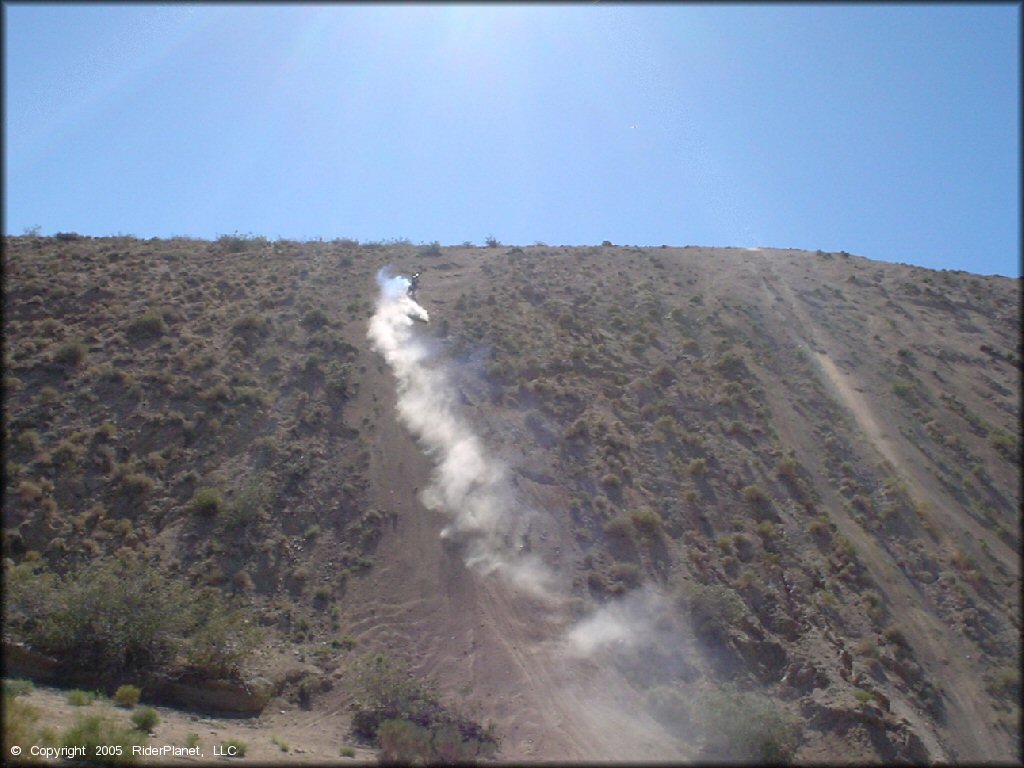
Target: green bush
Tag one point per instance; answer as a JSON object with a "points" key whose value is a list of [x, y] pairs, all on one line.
{"points": [[712, 607], [234, 748], [150, 325], [405, 718], [94, 731], [403, 742], [206, 502], [14, 688], [79, 698], [137, 483], [647, 522], [747, 726], [754, 495], [19, 723], [113, 616], [733, 366], [315, 318], [145, 718], [251, 325], [71, 354], [127, 695]]}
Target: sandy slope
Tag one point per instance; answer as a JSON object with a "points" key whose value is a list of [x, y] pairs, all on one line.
{"points": [[492, 650]]}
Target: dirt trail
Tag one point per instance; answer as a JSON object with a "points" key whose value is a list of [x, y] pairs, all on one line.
{"points": [[970, 718], [491, 650]]}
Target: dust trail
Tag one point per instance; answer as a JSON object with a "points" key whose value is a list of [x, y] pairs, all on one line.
{"points": [[468, 485], [628, 637]]}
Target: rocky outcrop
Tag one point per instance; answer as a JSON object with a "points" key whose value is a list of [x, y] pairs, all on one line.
{"points": [[224, 697], [221, 697], [22, 661], [893, 741], [804, 677]]}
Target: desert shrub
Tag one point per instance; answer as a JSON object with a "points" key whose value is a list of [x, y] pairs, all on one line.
{"points": [[749, 727], [48, 396], [145, 718], [754, 495], [626, 574], [149, 325], [137, 483], [18, 687], [251, 506], [68, 454], [620, 530], [1005, 445], [314, 318], [251, 325], [387, 693], [712, 607], [19, 723], [663, 375], [80, 698], [788, 468], [71, 354], [233, 748], [240, 243], [403, 742], [1004, 683], [116, 616], [647, 522], [95, 731], [697, 467], [29, 441], [206, 502], [895, 635], [430, 249], [347, 752], [733, 366], [666, 426], [127, 695]]}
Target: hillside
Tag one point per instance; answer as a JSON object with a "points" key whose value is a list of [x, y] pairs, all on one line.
{"points": [[696, 499]]}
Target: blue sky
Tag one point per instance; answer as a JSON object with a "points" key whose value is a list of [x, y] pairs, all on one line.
{"points": [[886, 131]]}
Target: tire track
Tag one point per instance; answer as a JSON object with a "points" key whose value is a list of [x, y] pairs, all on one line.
{"points": [[970, 718]]}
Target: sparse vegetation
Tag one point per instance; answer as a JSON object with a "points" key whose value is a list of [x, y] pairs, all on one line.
{"points": [[98, 735], [127, 695], [145, 718], [746, 726], [405, 718], [148, 619], [213, 411]]}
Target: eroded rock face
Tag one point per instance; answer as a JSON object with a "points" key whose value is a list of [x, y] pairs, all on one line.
{"points": [[892, 741], [218, 696], [804, 677], [214, 696], [22, 661], [766, 658]]}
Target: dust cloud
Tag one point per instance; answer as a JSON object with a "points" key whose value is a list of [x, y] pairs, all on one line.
{"points": [[469, 486], [631, 638]]}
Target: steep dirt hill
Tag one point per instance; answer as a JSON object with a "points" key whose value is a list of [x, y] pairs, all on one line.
{"points": [[812, 458]]}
